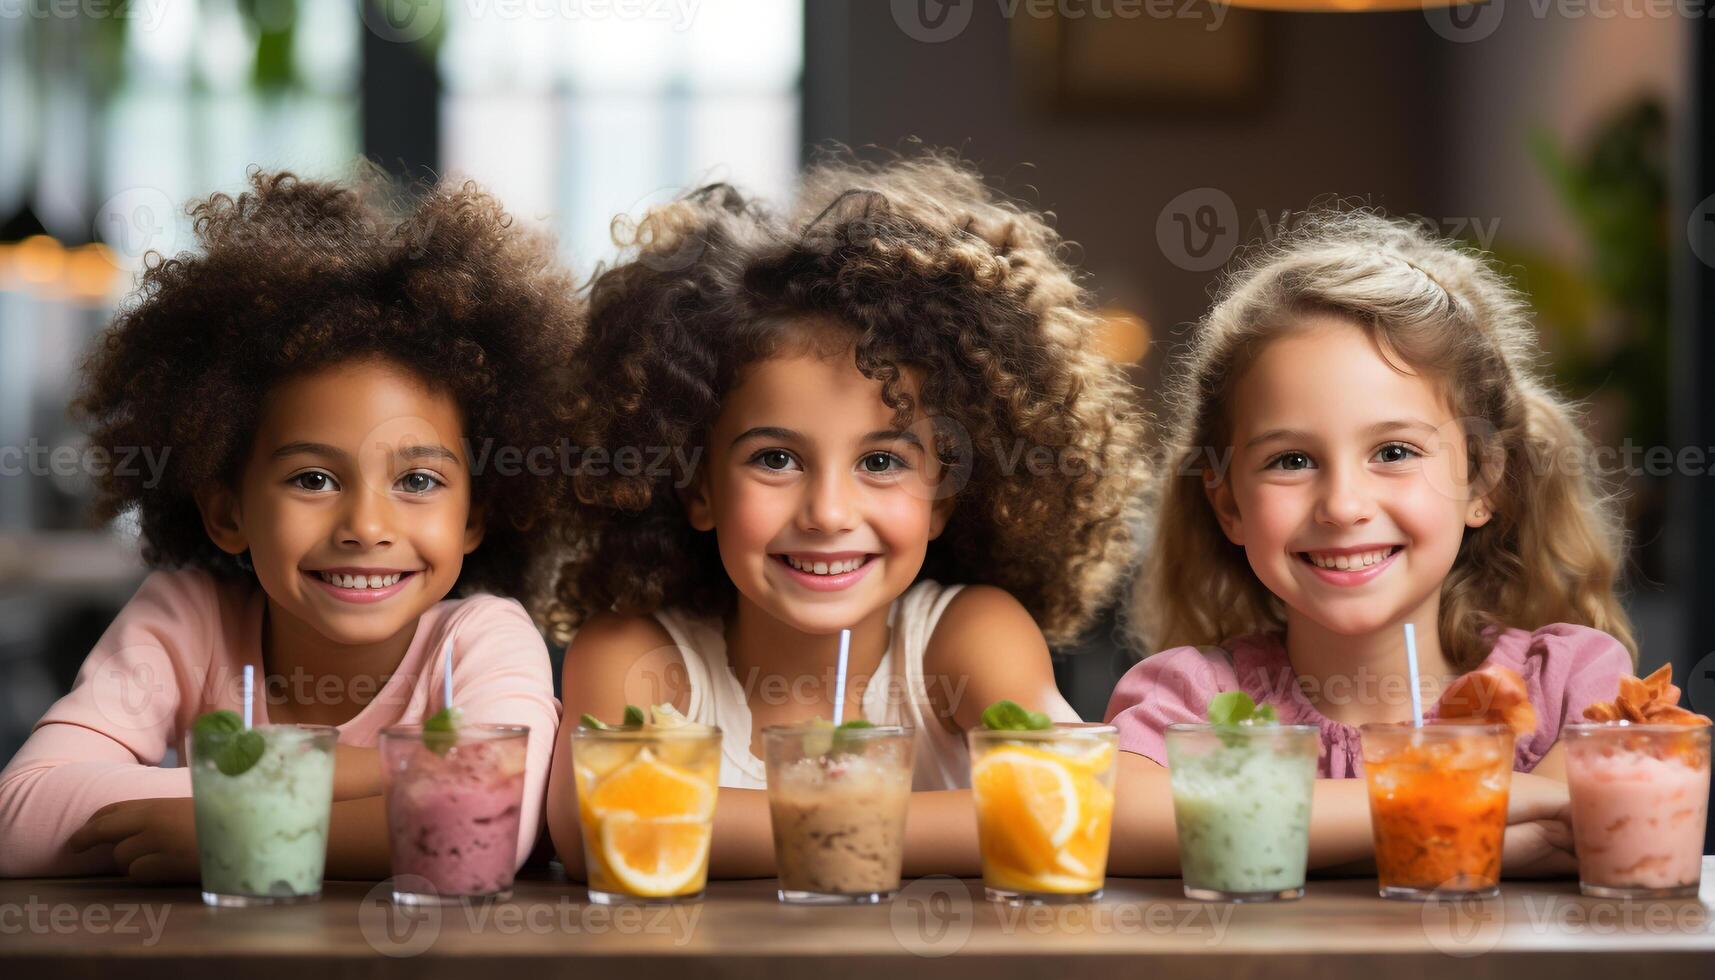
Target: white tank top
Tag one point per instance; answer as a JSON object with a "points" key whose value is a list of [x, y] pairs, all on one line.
{"points": [[897, 695]]}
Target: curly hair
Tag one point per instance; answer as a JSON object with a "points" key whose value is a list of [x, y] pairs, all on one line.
{"points": [[925, 269], [1552, 551], [297, 275]]}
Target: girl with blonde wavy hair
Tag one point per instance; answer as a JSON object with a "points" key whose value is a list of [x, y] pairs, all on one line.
{"points": [[887, 412], [1360, 440]]}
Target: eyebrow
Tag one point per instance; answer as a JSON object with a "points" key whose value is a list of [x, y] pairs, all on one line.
{"points": [[1294, 435], [788, 435], [412, 452]]}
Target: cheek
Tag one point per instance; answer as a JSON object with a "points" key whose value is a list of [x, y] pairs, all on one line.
{"points": [[748, 516], [1273, 513], [901, 518]]}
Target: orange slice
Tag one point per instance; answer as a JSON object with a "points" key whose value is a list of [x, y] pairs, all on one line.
{"points": [[1028, 805], [648, 788], [653, 858]]}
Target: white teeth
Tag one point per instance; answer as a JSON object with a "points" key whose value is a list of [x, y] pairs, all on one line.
{"points": [[1349, 562], [361, 581], [825, 567]]}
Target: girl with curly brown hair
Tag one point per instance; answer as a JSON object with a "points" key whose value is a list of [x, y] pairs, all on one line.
{"points": [[1362, 440], [341, 385], [884, 412]]}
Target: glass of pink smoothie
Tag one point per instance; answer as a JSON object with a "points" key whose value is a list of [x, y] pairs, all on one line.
{"points": [[453, 801], [1639, 797]]}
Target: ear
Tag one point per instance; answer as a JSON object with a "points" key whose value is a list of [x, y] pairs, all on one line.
{"points": [[939, 515], [475, 525], [1220, 496], [1478, 512], [221, 518], [695, 498]]}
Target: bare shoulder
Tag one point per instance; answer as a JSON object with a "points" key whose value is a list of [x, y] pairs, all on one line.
{"points": [[979, 622], [616, 660]]}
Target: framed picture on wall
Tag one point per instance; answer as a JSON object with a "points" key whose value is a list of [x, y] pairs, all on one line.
{"points": [[1195, 55]]}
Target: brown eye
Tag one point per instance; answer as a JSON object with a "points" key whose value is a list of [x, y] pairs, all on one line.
{"points": [[882, 463], [773, 459], [314, 481]]}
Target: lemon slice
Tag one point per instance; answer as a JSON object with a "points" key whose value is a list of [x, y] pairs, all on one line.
{"points": [[658, 857], [1035, 784]]}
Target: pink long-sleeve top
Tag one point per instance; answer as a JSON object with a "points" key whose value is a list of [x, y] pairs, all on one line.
{"points": [[1565, 668], [179, 648]]}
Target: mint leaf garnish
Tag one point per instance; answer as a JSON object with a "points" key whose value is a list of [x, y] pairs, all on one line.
{"points": [[1010, 716], [634, 718], [441, 729], [1237, 708], [844, 743], [222, 737]]}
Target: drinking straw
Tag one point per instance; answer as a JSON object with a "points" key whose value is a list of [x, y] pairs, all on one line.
{"points": [[249, 686], [840, 675], [1411, 665], [447, 683]]}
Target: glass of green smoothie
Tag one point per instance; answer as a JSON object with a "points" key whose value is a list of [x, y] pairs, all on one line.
{"points": [[262, 796], [1241, 802]]}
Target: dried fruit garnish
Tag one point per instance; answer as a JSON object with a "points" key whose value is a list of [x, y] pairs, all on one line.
{"points": [[1490, 694], [1653, 700]]}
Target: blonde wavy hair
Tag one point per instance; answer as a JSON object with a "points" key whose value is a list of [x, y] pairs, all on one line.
{"points": [[923, 267], [1552, 551]]}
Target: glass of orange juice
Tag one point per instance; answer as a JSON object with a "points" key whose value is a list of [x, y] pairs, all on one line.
{"points": [[1045, 804], [1438, 807], [646, 800]]}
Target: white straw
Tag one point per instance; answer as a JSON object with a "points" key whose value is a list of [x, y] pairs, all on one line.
{"points": [[447, 686], [840, 675], [1411, 665], [249, 686]]}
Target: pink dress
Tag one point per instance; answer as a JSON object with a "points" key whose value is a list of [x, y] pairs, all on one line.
{"points": [[178, 649], [1565, 668]]}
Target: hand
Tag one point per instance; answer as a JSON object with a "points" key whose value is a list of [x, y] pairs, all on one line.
{"points": [[153, 840], [1538, 838]]}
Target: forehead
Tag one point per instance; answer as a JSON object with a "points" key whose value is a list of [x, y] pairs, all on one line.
{"points": [[1328, 375], [356, 402], [810, 391]]}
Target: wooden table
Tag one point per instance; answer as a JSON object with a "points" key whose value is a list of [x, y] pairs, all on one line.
{"points": [[939, 928]]}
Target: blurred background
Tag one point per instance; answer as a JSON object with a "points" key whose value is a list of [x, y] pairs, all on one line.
{"points": [[1574, 140]]}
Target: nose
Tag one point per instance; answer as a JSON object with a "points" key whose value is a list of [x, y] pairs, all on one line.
{"points": [[367, 519], [1346, 498], [828, 505]]}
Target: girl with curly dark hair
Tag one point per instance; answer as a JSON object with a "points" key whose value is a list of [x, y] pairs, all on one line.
{"points": [[349, 390], [884, 412]]}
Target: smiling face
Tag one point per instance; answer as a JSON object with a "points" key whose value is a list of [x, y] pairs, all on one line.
{"points": [[354, 503], [822, 509], [1347, 487]]}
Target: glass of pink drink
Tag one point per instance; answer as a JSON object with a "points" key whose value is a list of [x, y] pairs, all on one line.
{"points": [[453, 802], [1640, 793]]}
